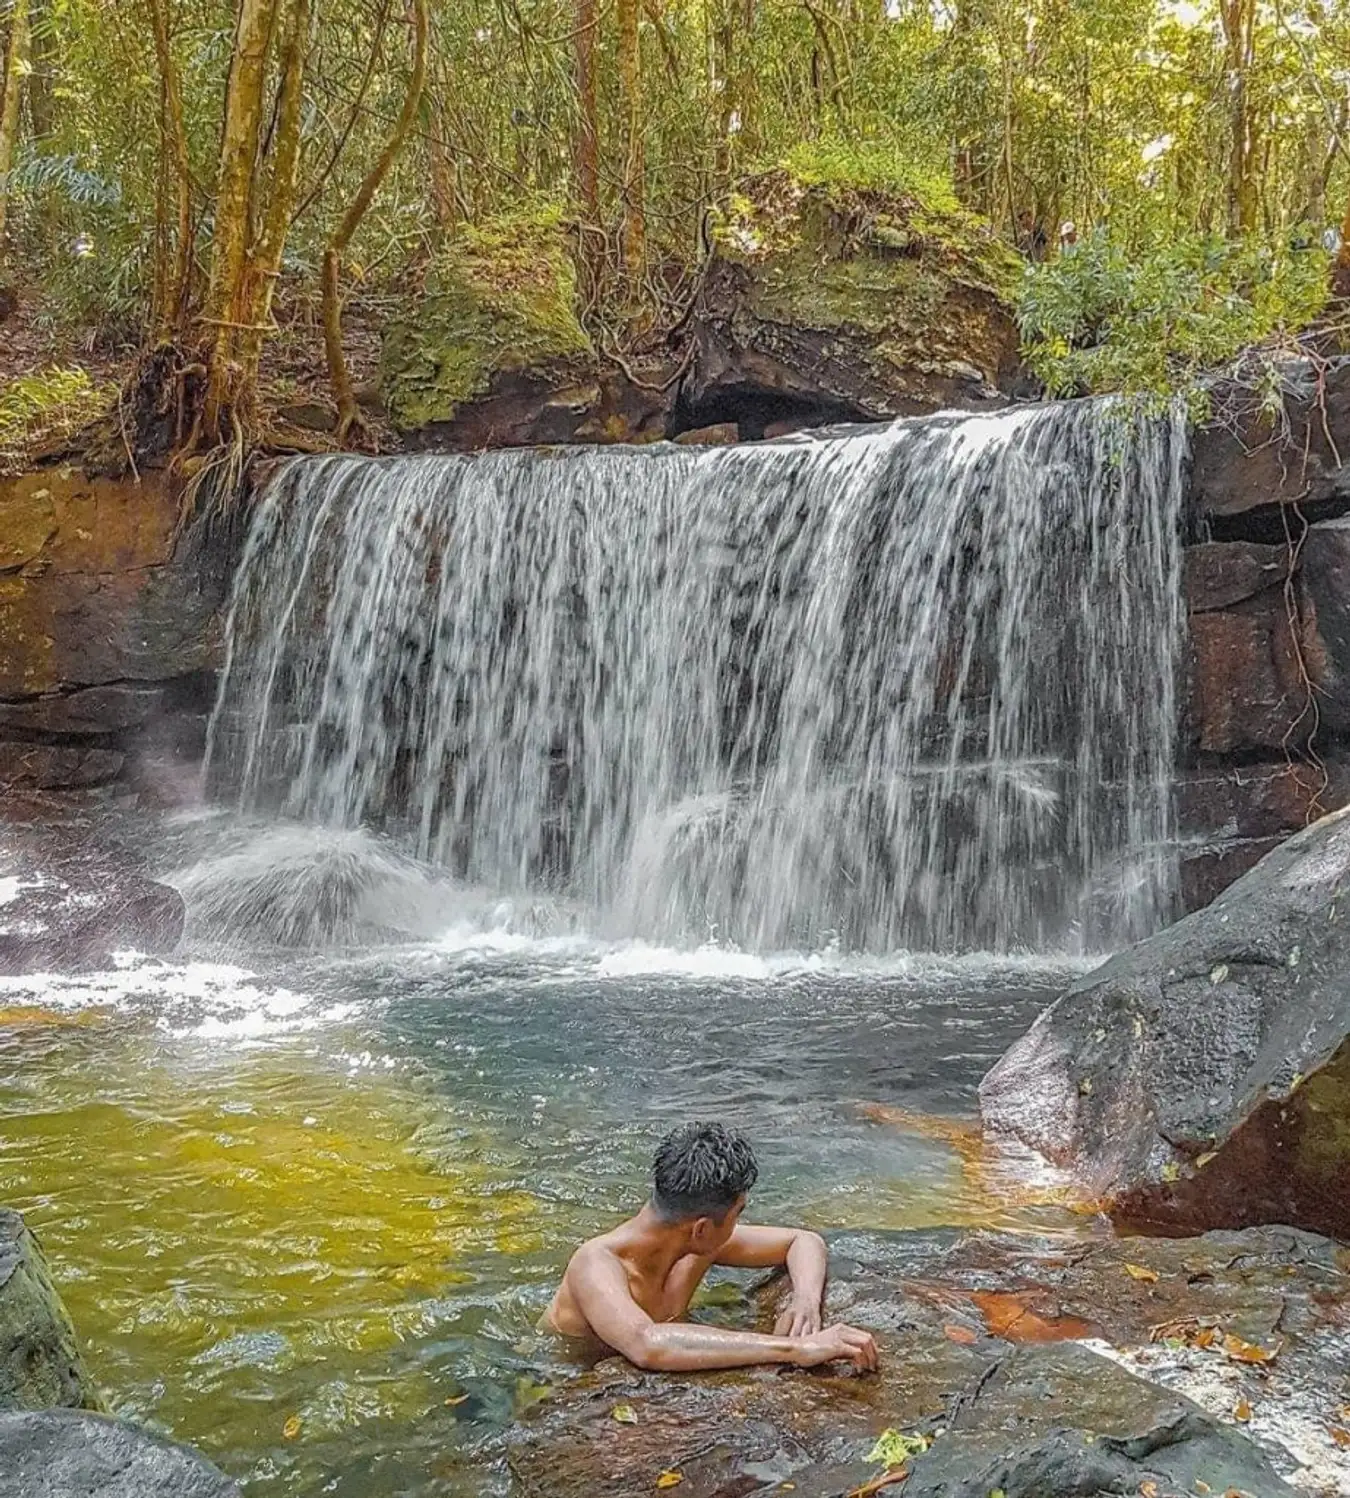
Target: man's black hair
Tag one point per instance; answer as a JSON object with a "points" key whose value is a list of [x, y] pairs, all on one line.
{"points": [[701, 1170]]}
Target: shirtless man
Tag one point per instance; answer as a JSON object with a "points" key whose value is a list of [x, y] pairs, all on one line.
{"points": [[627, 1289]]}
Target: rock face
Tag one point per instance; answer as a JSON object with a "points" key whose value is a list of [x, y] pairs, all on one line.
{"points": [[110, 628], [821, 302], [1203, 1076], [830, 297], [976, 1333], [40, 1362], [74, 1454], [1240, 463], [67, 906]]}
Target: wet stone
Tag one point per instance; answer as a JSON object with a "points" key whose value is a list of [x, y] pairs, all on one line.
{"points": [[1045, 1340], [1201, 1078], [1065, 1421], [66, 904], [40, 1362], [75, 1454]]}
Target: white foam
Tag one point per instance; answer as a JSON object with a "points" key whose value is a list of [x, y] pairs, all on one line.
{"points": [[204, 999]]}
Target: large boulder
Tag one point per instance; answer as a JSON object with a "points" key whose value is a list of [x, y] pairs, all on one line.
{"points": [[40, 1362], [1250, 1321], [1062, 1422], [67, 905], [75, 1454], [851, 299], [1202, 1077], [822, 300]]}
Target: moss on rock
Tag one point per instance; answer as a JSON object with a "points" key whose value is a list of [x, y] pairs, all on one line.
{"points": [[884, 297], [40, 1362], [500, 298]]}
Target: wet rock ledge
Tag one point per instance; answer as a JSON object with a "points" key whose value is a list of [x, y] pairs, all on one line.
{"points": [[54, 1440], [1042, 1367]]}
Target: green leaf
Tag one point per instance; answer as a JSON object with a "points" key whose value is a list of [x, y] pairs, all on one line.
{"points": [[893, 1448]]}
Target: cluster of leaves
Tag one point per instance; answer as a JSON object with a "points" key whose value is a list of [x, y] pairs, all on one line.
{"points": [[1100, 318]]}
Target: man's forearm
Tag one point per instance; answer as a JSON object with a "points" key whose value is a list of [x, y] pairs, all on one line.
{"points": [[682, 1347], [808, 1262]]}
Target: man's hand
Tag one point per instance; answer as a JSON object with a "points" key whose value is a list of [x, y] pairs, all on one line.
{"points": [[836, 1344], [800, 1318]]}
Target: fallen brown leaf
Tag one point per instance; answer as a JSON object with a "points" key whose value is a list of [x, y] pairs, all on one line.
{"points": [[1008, 1315], [1246, 1352]]}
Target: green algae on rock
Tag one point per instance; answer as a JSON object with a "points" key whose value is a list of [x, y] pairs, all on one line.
{"points": [[854, 294], [40, 1361]]}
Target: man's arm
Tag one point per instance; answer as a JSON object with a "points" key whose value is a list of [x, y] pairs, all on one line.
{"points": [[807, 1260], [600, 1286]]}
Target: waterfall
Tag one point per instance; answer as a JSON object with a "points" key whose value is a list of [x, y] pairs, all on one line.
{"points": [[900, 687]]}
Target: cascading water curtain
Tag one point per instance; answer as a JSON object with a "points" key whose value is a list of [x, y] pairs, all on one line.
{"points": [[910, 687]]}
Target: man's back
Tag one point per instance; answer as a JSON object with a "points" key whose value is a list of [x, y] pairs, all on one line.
{"points": [[627, 1289]]}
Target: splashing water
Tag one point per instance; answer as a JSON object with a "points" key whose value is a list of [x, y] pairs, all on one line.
{"points": [[904, 687]]}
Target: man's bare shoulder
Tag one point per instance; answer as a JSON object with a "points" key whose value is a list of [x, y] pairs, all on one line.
{"points": [[596, 1254]]}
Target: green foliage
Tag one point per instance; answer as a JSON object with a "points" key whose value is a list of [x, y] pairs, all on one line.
{"points": [[1020, 114], [875, 167], [1100, 319], [48, 404], [65, 176]]}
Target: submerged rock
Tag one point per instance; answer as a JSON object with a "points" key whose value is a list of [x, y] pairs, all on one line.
{"points": [[40, 1362], [67, 906], [1202, 1077], [1177, 1334], [75, 1454]]}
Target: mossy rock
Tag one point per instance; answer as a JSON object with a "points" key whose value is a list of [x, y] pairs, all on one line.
{"points": [[40, 1362], [500, 299], [880, 300]]}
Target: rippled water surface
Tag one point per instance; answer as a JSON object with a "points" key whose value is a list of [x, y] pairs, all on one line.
{"points": [[306, 1208]]}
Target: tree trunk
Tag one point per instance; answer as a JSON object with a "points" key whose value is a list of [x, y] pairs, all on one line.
{"points": [[634, 155], [586, 144], [16, 67], [264, 260], [173, 296], [227, 314], [1239, 30], [45, 57], [349, 414], [444, 171]]}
